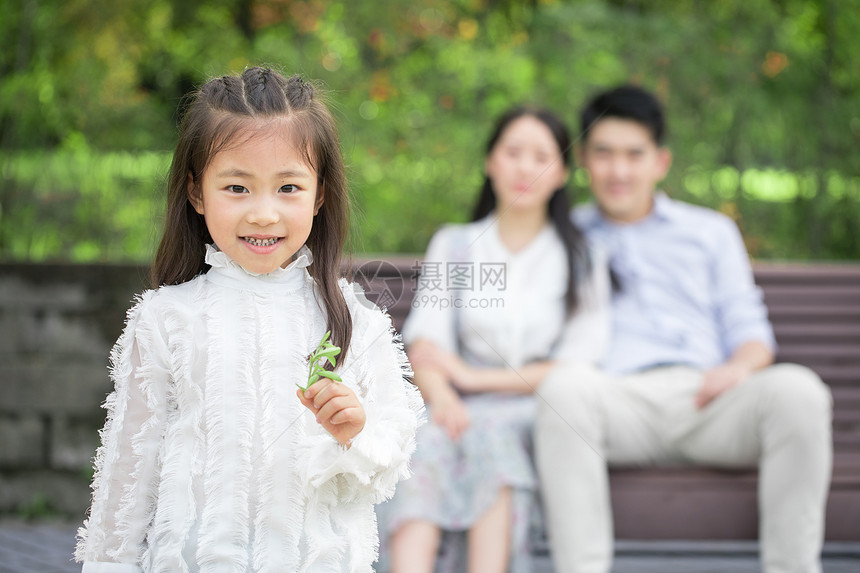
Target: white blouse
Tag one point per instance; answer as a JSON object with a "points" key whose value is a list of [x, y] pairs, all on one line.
{"points": [[209, 462], [511, 310]]}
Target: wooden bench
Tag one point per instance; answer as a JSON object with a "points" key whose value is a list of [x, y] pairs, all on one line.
{"points": [[815, 311]]}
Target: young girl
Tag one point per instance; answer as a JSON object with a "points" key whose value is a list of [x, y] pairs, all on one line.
{"points": [[211, 460], [480, 348]]}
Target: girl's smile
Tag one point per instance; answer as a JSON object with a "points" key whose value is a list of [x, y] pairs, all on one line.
{"points": [[260, 242], [263, 245]]}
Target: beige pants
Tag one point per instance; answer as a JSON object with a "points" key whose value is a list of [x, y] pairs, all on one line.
{"points": [[779, 418]]}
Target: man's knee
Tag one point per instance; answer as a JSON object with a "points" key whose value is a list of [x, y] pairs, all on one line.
{"points": [[797, 391], [569, 384], [569, 392]]}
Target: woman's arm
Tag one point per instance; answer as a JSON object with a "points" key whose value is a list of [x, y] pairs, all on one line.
{"points": [[446, 407], [453, 370]]}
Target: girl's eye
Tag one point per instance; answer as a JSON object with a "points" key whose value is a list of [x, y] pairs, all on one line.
{"points": [[289, 188], [237, 189]]}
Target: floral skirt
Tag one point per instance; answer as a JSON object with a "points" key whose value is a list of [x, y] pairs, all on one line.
{"points": [[455, 482]]}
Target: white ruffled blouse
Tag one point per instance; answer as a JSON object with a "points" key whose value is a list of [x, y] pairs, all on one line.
{"points": [[209, 462]]}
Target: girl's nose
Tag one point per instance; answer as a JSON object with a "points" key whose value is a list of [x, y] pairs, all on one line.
{"points": [[263, 212]]}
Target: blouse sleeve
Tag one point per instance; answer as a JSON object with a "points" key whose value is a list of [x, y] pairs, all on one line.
{"points": [[378, 371], [585, 337], [432, 316], [112, 539]]}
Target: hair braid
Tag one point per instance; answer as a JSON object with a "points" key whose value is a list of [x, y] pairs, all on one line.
{"points": [[299, 93]]}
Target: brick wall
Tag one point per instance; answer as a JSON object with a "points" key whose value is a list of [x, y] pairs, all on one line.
{"points": [[57, 325]]}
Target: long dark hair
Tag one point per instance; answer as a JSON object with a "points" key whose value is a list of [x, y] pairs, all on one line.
{"points": [[213, 116], [558, 208]]}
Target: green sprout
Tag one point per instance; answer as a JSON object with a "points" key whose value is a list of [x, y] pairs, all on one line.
{"points": [[325, 351]]}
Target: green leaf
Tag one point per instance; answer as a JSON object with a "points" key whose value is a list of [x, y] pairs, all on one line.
{"points": [[331, 375]]}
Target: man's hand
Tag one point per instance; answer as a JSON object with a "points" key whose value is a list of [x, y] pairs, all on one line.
{"points": [[336, 407], [718, 380]]}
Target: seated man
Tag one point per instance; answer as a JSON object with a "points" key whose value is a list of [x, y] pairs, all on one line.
{"points": [[688, 377]]}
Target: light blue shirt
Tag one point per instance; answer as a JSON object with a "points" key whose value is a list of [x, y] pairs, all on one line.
{"points": [[687, 292]]}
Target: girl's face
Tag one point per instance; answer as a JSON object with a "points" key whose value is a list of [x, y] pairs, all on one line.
{"points": [[259, 198], [525, 166]]}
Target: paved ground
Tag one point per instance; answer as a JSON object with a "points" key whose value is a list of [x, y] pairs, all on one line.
{"points": [[47, 548]]}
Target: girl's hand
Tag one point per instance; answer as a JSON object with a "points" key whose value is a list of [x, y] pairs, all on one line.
{"points": [[449, 412], [336, 407]]}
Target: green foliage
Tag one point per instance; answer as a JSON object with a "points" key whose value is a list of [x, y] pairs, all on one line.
{"points": [[81, 205], [323, 354], [761, 96], [38, 507]]}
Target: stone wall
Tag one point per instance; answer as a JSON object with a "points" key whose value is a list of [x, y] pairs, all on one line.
{"points": [[57, 325]]}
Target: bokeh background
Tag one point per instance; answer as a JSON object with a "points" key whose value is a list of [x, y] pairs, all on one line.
{"points": [[763, 101]]}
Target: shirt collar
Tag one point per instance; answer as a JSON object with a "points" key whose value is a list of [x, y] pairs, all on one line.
{"points": [[228, 272], [590, 216], [664, 207]]}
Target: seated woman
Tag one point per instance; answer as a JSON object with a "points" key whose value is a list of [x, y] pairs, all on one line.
{"points": [[500, 301]]}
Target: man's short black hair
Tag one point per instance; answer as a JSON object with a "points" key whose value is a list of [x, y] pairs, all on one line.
{"points": [[626, 102]]}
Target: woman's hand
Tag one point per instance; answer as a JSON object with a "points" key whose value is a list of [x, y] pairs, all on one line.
{"points": [[336, 408], [449, 412], [434, 375]]}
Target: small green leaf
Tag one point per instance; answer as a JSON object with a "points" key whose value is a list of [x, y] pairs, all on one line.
{"points": [[331, 375]]}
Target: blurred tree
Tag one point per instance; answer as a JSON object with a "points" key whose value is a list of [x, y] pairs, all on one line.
{"points": [[762, 97]]}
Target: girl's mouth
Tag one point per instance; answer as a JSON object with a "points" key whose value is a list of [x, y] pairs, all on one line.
{"points": [[261, 242]]}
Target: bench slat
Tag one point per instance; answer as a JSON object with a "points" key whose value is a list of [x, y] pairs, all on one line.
{"points": [[817, 273], [815, 294], [837, 333], [834, 375], [822, 313], [822, 354]]}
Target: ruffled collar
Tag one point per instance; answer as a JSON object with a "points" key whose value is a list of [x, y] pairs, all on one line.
{"points": [[225, 271]]}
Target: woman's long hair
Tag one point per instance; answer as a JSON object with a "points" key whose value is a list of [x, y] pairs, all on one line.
{"points": [[558, 208], [222, 109]]}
